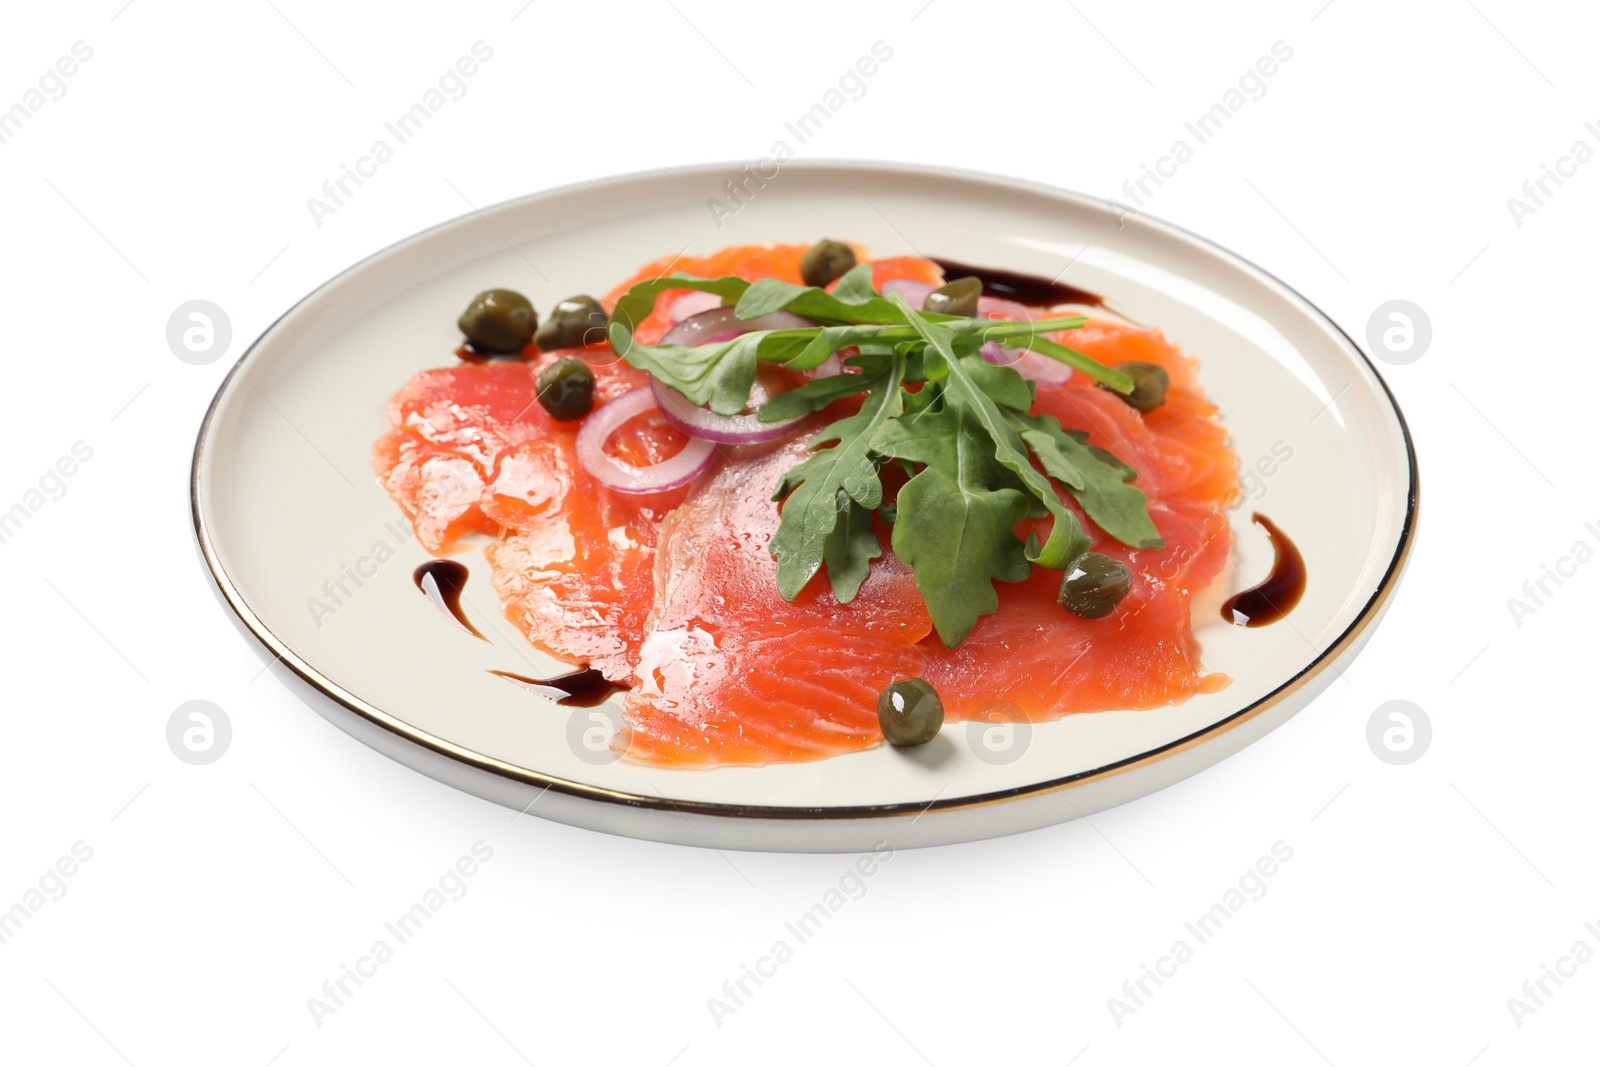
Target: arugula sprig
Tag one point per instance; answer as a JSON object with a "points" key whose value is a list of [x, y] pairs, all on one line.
{"points": [[978, 462], [829, 496], [719, 375]]}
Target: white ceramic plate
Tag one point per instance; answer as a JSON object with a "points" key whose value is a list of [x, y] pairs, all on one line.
{"points": [[284, 502]]}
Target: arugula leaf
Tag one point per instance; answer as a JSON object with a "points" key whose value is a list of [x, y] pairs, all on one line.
{"points": [[816, 395], [821, 344], [717, 375], [1128, 473], [851, 548], [638, 302], [852, 300], [876, 359], [842, 462], [855, 285], [956, 517], [1003, 385], [962, 390], [1096, 482]]}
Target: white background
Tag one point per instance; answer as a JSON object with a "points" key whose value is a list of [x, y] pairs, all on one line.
{"points": [[219, 898]]}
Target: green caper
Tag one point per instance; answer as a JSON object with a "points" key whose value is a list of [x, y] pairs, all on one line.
{"points": [[1094, 585], [499, 320], [1149, 385], [566, 389], [910, 713], [576, 321], [825, 261], [959, 297]]}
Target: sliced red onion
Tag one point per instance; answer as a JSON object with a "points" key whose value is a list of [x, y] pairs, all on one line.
{"points": [[709, 326], [995, 353], [625, 477], [743, 429], [914, 293], [1031, 365], [692, 303], [721, 324], [1043, 369], [997, 307]]}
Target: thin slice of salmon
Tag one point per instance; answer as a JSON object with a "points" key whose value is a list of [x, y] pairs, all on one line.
{"points": [[732, 673], [472, 451], [574, 568], [440, 490], [448, 430]]}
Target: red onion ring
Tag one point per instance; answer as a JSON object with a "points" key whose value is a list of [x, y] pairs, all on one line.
{"points": [[998, 307], [743, 429], [612, 473], [700, 329], [692, 303], [1030, 365], [914, 293], [720, 324]]}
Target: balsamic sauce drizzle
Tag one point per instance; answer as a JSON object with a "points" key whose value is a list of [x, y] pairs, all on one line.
{"points": [[1029, 289], [1280, 592], [441, 581], [582, 688]]}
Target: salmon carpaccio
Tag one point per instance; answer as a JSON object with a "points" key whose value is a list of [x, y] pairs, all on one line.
{"points": [[675, 594]]}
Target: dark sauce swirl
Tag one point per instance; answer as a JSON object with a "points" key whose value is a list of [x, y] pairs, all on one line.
{"points": [[1278, 595], [441, 581], [583, 688], [1029, 289]]}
